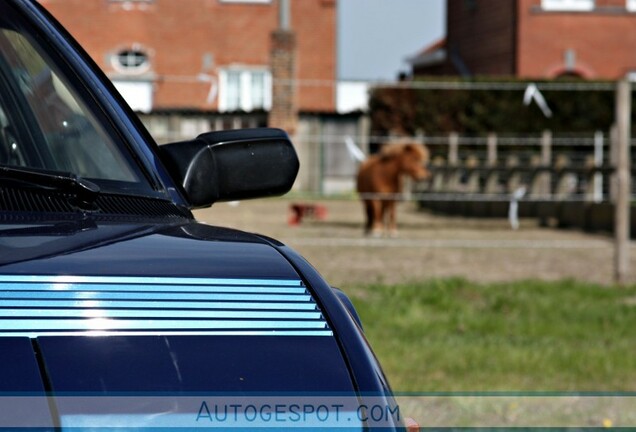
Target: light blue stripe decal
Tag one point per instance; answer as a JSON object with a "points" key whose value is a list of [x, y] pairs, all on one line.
{"points": [[123, 295], [35, 334], [267, 289], [143, 304], [63, 305], [129, 324], [146, 280], [154, 313]]}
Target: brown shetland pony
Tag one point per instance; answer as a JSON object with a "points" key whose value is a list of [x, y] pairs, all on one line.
{"points": [[380, 182]]}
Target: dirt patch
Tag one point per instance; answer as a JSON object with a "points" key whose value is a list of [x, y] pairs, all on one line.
{"points": [[428, 245]]}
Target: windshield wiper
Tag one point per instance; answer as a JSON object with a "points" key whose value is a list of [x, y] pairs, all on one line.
{"points": [[85, 192]]}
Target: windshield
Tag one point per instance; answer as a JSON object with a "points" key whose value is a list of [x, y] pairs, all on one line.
{"points": [[45, 124]]}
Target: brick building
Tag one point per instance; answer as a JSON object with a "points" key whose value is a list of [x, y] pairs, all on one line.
{"points": [[204, 55], [593, 39]]}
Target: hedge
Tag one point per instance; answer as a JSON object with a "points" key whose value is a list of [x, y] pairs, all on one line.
{"points": [[407, 111]]}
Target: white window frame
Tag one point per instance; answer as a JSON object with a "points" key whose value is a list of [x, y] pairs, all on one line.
{"points": [[246, 1], [630, 5], [130, 4], [568, 5], [139, 94], [131, 70], [245, 100]]}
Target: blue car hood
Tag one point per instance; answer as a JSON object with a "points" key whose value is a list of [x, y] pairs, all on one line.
{"points": [[105, 307], [185, 249]]}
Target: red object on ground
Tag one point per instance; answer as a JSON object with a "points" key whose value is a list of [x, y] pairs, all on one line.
{"points": [[299, 211], [411, 425]]}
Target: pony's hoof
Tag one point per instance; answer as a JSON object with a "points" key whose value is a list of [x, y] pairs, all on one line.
{"points": [[376, 234], [393, 233]]}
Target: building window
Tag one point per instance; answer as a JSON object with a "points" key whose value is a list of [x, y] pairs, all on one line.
{"points": [[138, 94], [246, 1], [131, 61], [245, 89], [568, 5], [132, 4], [631, 5]]}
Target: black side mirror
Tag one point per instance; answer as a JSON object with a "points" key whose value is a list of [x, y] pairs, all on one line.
{"points": [[233, 165]]}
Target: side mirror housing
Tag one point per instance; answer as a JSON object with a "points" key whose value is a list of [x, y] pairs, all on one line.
{"points": [[232, 165]]}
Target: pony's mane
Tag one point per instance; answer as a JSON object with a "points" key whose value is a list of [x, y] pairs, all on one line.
{"points": [[394, 149]]}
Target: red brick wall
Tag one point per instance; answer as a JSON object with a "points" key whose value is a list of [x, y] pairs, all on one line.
{"points": [[177, 34], [314, 22], [482, 35], [604, 40]]}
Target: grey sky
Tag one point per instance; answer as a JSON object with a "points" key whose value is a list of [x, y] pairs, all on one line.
{"points": [[375, 36]]}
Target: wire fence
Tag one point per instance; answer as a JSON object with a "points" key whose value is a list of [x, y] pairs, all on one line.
{"points": [[417, 84], [564, 168], [563, 175]]}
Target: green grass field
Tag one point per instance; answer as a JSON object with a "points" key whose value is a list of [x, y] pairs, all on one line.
{"points": [[455, 335]]}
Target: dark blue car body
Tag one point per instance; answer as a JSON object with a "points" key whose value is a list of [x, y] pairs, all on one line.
{"points": [[131, 296]]}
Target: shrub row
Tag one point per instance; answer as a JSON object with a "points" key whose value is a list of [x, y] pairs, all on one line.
{"points": [[407, 111]]}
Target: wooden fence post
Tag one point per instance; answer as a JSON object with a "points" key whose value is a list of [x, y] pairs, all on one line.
{"points": [[453, 149], [541, 184], [613, 156], [492, 149], [453, 162], [598, 162], [546, 161], [492, 181], [623, 181]]}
